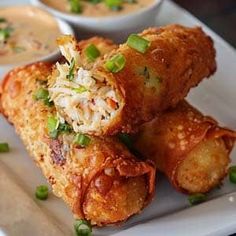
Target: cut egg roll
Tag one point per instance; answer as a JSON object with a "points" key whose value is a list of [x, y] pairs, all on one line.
{"points": [[191, 149], [98, 178], [129, 86]]}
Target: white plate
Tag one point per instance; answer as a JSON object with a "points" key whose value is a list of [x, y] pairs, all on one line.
{"points": [[169, 213]]}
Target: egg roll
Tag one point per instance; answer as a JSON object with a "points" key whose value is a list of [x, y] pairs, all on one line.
{"points": [[191, 149], [177, 59], [101, 182]]}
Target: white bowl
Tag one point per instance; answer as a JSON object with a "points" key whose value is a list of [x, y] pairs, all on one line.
{"points": [[64, 27], [115, 27]]}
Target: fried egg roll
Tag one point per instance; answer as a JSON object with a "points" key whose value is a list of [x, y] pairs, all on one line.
{"points": [[98, 178], [191, 149], [177, 59]]}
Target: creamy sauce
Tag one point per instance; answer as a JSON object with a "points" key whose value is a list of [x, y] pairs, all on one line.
{"points": [[99, 9], [32, 34]]}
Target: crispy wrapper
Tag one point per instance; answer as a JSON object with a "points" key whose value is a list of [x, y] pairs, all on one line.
{"points": [[190, 148], [177, 60], [103, 182]]}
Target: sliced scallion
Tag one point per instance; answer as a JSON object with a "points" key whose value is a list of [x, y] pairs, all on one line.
{"points": [[82, 228], [41, 192], [75, 6], [92, 52], [197, 198], [116, 63], [5, 33], [2, 20], [232, 174], [71, 74], [114, 4], [81, 89], [4, 147], [138, 43], [53, 124], [82, 140]]}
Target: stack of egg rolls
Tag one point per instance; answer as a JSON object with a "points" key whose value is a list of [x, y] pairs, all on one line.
{"points": [[190, 148], [104, 182], [178, 59]]}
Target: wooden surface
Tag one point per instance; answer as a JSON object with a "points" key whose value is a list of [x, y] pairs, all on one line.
{"points": [[219, 15]]}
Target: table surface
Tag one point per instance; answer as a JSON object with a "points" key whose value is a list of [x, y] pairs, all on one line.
{"points": [[219, 15]]}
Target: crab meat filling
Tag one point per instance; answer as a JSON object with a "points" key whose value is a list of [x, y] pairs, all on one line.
{"points": [[86, 102]]}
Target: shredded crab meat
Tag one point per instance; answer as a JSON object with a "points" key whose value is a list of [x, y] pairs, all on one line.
{"points": [[86, 102]]}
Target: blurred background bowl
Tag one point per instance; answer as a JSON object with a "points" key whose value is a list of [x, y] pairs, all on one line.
{"points": [[64, 27], [115, 27]]}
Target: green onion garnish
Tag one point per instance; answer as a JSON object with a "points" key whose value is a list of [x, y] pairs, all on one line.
{"points": [[116, 63], [2, 20], [64, 128], [75, 6], [138, 43], [114, 4], [82, 140], [5, 33], [92, 52], [41, 192], [197, 198], [4, 147], [81, 89], [232, 174], [43, 94], [95, 1], [53, 124], [71, 74], [82, 228]]}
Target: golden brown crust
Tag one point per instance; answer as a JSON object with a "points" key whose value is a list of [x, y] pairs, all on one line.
{"points": [[72, 171], [177, 60], [168, 139]]}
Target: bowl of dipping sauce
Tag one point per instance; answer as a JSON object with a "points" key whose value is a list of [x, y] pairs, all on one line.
{"points": [[28, 34], [112, 18]]}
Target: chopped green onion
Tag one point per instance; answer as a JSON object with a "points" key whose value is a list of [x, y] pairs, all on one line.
{"points": [[197, 198], [64, 128], [116, 63], [5, 33], [232, 174], [71, 74], [75, 6], [114, 4], [2, 20], [4, 147], [138, 43], [53, 124], [82, 140], [41, 93], [127, 140], [82, 228], [81, 89], [92, 52], [95, 1], [41, 192]]}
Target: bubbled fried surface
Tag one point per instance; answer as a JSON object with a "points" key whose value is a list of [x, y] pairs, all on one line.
{"points": [[174, 138], [178, 59], [69, 169]]}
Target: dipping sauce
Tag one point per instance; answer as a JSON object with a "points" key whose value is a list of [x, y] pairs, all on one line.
{"points": [[26, 34], [100, 9]]}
